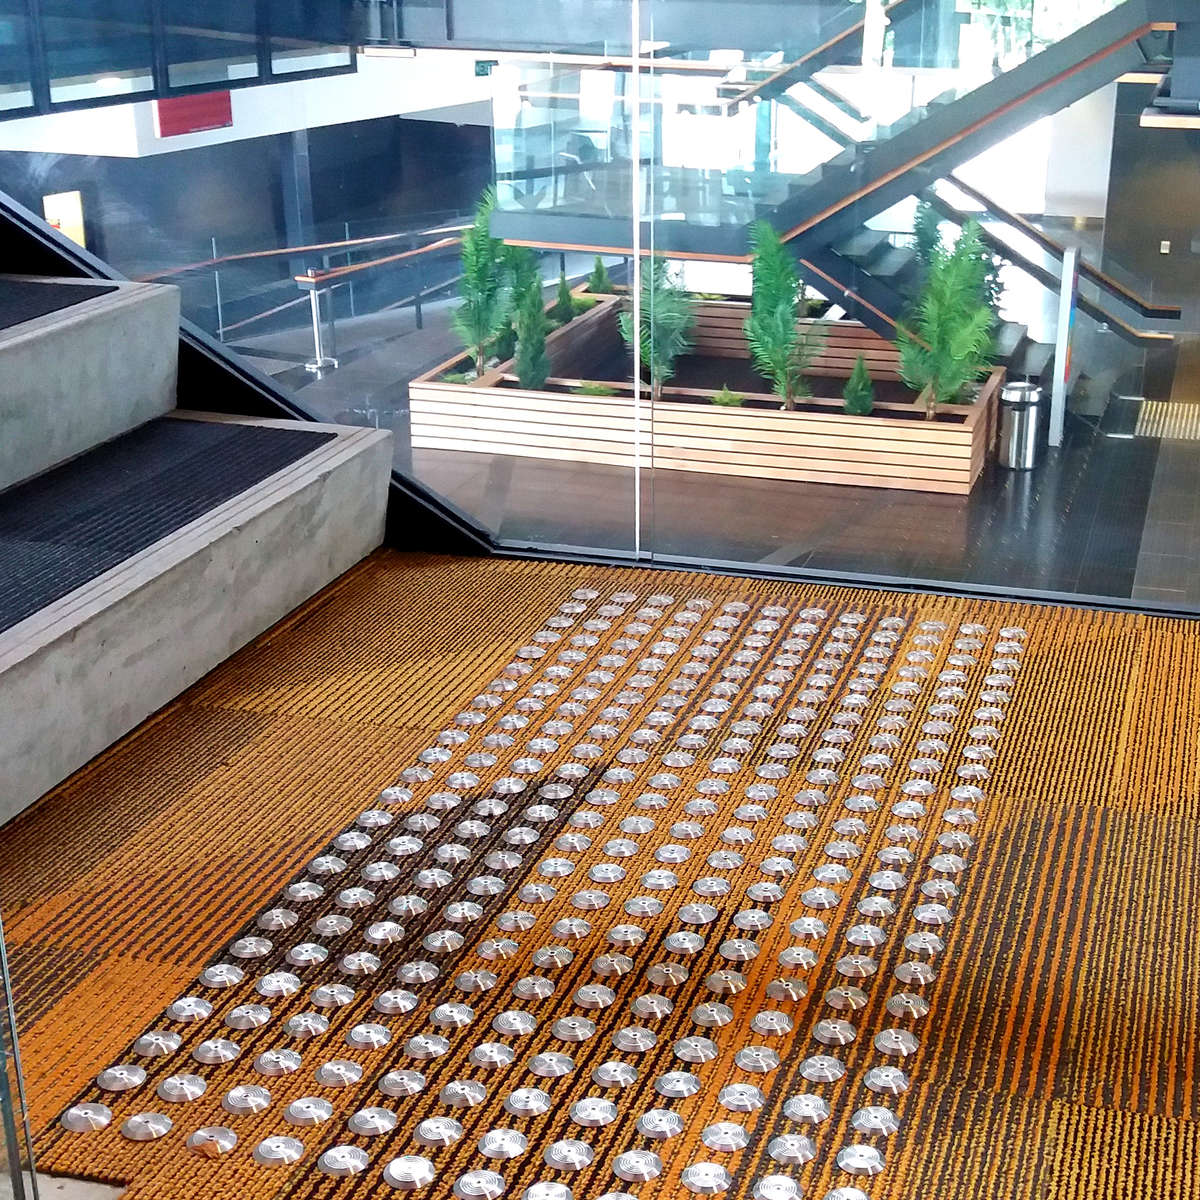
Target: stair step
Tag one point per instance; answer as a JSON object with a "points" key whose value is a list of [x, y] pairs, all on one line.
{"points": [[861, 244], [1032, 360], [1008, 340], [181, 514], [915, 117], [64, 390], [891, 264]]}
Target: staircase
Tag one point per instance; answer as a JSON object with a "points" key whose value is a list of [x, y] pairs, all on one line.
{"points": [[870, 169], [140, 545], [880, 281]]}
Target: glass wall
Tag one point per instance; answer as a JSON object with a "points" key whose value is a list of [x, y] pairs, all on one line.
{"points": [[785, 270]]}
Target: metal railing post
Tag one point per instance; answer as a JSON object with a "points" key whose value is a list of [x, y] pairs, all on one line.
{"points": [[320, 360], [217, 289], [349, 259], [417, 310]]}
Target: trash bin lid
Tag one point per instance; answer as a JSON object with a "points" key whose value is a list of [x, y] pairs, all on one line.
{"points": [[1020, 395]]}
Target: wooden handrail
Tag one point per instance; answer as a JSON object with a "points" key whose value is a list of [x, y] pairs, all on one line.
{"points": [[288, 251], [848, 292], [319, 277], [1147, 308]]}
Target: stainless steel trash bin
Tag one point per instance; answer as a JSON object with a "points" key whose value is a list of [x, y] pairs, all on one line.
{"points": [[1020, 418]]}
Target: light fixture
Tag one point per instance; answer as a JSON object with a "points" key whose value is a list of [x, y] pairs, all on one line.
{"points": [[388, 51]]}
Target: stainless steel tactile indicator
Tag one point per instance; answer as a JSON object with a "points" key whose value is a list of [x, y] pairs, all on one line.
{"points": [[661, 902]]}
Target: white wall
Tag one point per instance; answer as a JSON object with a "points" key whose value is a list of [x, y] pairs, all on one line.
{"points": [[1080, 161]]}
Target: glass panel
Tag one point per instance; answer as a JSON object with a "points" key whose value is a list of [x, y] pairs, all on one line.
{"points": [[369, 215], [760, 131], [289, 57], [215, 45], [97, 48], [15, 89], [566, 472], [813, 141]]}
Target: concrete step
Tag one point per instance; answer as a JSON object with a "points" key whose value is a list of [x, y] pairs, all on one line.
{"points": [[79, 372], [94, 662]]}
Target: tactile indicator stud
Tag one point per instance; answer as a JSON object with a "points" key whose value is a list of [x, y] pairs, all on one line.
{"points": [[409, 1173], [213, 1141]]}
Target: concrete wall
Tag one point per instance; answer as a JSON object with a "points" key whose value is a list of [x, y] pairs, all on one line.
{"points": [[85, 671], [75, 378]]}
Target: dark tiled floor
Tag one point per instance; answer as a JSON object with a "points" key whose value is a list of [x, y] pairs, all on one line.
{"points": [[1063, 527]]}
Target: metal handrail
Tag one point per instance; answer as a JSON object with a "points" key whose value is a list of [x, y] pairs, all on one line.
{"points": [[313, 277], [291, 251]]}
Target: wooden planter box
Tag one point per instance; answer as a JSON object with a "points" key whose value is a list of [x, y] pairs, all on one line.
{"points": [[685, 433]]}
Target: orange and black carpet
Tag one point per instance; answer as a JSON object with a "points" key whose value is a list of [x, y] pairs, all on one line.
{"points": [[481, 879]]}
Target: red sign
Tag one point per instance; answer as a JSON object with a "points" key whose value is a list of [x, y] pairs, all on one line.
{"points": [[191, 114]]}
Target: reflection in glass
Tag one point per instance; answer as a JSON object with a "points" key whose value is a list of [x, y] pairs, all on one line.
{"points": [[97, 48], [15, 89], [216, 44]]}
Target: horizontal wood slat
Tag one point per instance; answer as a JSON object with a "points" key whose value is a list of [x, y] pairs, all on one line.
{"points": [[720, 332], [509, 404]]}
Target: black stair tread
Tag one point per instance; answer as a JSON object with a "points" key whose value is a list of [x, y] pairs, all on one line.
{"points": [[835, 98], [1032, 360], [892, 263], [1008, 339], [914, 117], [65, 527], [861, 244]]}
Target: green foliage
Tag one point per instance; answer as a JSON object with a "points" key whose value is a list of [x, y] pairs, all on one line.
{"points": [[773, 269], [594, 389], [950, 338], [858, 396], [532, 363], [599, 283], [666, 324], [485, 289], [781, 349], [727, 399], [927, 232], [458, 377], [582, 304], [521, 265], [563, 309]]}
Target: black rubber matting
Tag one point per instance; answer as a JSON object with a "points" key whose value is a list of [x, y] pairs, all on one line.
{"points": [[21, 300], [77, 521]]}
